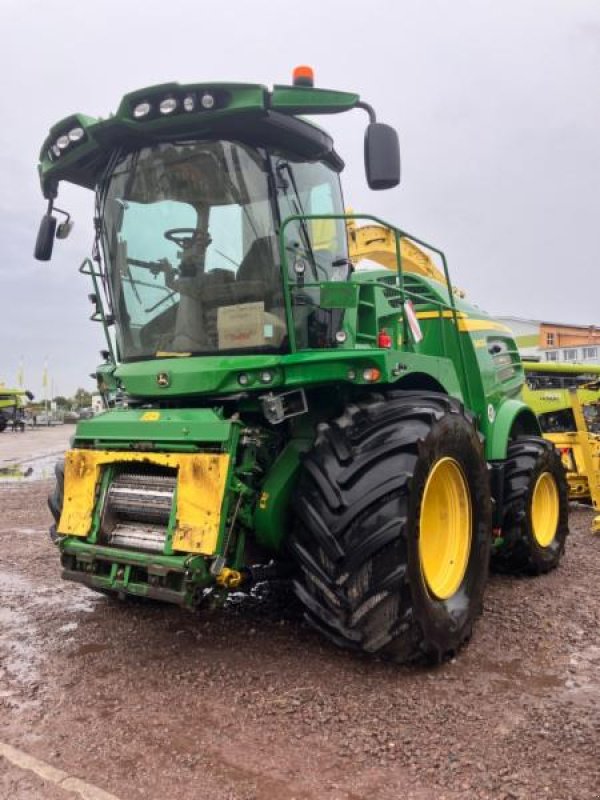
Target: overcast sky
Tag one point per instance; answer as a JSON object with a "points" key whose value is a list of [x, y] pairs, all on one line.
{"points": [[497, 105]]}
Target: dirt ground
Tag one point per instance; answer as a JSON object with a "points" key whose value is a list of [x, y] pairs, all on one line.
{"points": [[147, 701]]}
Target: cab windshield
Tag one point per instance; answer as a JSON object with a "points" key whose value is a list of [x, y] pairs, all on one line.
{"points": [[191, 251], [190, 240]]}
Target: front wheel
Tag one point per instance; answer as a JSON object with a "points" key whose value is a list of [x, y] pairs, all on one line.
{"points": [[393, 527], [55, 500], [535, 519]]}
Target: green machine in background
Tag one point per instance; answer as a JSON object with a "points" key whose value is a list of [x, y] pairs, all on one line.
{"points": [[277, 411]]}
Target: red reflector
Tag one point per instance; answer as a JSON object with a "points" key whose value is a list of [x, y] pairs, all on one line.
{"points": [[384, 339]]}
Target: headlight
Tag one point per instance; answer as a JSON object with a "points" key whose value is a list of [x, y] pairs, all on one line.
{"points": [[76, 134], [168, 105], [142, 110], [62, 142], [371, 374], [189, 102]]}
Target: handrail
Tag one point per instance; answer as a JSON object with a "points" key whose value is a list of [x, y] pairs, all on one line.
{"points": [[87, 268], [399, 235]]}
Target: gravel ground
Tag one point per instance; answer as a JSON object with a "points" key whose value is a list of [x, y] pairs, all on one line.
{"points": [[247, 703]]}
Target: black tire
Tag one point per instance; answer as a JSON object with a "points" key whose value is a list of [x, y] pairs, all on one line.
{"points": [[520, 550], [356, 534], [55, 500], [3, 422]]}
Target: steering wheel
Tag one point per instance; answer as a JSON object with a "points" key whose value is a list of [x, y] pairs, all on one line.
{"points": [[182, 237]]}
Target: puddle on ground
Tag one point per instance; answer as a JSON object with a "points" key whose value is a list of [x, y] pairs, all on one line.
{"points": [[512, 675], [35, 469], [19, 644], [23, 637], [583, 681]]}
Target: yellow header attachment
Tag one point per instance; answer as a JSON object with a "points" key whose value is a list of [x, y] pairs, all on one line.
{"points": [[378, 243]]}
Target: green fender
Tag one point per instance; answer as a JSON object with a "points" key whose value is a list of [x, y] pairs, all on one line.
{"points": [[271, 517], [512, 418]]}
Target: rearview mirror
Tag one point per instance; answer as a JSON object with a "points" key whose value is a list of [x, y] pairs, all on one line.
{"points": [[382, 156], [64, 229], [45, 238]]}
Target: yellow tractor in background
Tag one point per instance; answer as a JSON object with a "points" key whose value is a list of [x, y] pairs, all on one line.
{"points": [[566, 399], [11, 407]]}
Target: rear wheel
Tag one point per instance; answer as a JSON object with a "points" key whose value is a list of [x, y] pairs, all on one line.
{"points": [[393, 527], [535, 520]]}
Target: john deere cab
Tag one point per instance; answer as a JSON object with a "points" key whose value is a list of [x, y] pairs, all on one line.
{"points": [[281, 400]]}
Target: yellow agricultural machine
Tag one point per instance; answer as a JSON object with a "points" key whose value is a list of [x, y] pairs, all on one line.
{"points": [[566, 399], [11, 406]]}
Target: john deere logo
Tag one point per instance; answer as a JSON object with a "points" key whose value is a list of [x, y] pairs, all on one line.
{"points": [[163, 379]]}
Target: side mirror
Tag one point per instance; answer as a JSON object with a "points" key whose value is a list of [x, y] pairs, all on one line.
{"points": [[45, 238], [382, 156], [64, 229]]}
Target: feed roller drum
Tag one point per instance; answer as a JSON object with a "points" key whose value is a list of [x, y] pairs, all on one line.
{"points": [[140, 497]]}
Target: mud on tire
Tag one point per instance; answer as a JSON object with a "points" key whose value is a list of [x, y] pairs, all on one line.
{"points": [[535, 521], [356, 539]]}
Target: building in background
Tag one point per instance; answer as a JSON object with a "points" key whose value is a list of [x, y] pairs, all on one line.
{"points": [[555, 342]]}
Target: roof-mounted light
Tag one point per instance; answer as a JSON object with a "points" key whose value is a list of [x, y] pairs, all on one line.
{"points": [[76, 134], [168, 105], [142, 110], [303, 76], [62, 142], [189, 102], [207, 101]]}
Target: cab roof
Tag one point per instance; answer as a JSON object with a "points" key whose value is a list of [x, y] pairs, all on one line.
{"points": [[79, 147]]}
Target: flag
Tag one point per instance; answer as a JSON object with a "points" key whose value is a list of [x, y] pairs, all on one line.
{"points": [[45, 375], [21, 376]]}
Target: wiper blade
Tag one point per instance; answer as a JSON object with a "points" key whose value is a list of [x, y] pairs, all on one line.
{"points": [[297, 203]]}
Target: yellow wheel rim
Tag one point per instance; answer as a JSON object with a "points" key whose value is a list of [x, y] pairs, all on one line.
{"points": [[545, 509], [445, 529]]}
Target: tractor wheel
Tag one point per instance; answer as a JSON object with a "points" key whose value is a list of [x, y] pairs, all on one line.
{"points": [[535, 521], [393, 527], [55, 500]]}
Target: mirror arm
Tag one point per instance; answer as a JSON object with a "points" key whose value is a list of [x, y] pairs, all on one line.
{"points": [[369, 109], [65, 213]]}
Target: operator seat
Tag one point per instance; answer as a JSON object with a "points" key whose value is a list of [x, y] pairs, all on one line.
{"points": [[258, 276]]}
